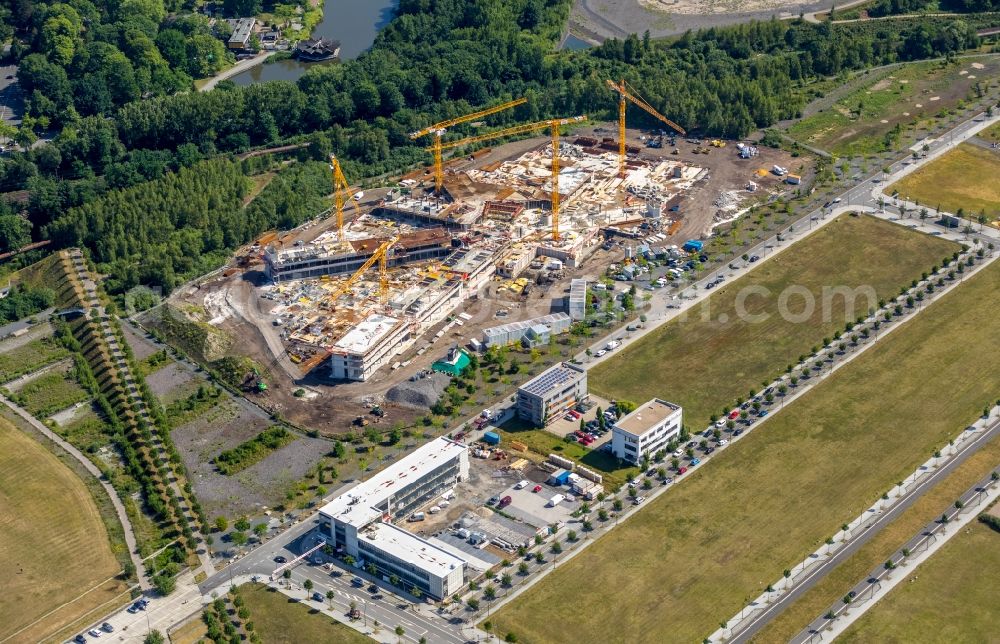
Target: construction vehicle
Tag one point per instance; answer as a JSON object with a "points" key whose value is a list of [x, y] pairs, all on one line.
{"points": [[554, 125], [718, 143], [254, 382], [361, 421], [341, 197], [628, 93], [438, 130]]}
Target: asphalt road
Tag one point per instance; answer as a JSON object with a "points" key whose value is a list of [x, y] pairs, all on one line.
{"points": [[893, 513]]}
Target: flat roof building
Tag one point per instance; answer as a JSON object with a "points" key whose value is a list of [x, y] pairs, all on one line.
{"points": [[242, 30], [550, 393], [577, 306], [514, 332], [646, 430], [360, 520], [368, 346]]}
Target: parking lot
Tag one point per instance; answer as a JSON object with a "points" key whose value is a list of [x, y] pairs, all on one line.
{"points": [[562, 426], [532, 507], [11, 99]]}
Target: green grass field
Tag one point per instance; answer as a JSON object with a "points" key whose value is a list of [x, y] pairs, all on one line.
{"points": [[49, 393], [696, 555], [53, 544], [992, 133], [962, 178], [839, 581], [858, 123], [952, 597], [29, 357], [705, 365], [281, 620]]}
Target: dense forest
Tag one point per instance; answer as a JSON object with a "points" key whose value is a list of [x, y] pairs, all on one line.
{"points": [[899, 7], [436, 59]]}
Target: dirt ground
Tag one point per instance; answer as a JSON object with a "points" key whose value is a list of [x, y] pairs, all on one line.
{"points": [[596, 20], [235, 307]]}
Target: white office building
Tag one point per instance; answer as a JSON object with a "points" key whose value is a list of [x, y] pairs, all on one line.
{"points": [[368, 346], [550, 393], [361, 520], [646, 430]]}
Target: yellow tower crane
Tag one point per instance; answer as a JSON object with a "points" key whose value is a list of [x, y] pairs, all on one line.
{"points": [[341, 196], [627, 93], [438, 130], [554, 124], [381, 255]]}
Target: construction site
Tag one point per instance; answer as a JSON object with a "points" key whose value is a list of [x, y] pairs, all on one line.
{"points": [[389, 281]]}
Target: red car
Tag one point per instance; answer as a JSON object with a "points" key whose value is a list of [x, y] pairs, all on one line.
{"points": [[537, 488], [734, 414], [681, 471], [574, 413]]}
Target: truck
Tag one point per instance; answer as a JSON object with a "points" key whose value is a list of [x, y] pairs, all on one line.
{"points": [[611, 346], [491, 438], [556, 500]]}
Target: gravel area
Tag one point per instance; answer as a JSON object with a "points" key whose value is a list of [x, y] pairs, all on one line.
{"points": [[142, 346], [173, 382], [419, 394], [260, 485]]}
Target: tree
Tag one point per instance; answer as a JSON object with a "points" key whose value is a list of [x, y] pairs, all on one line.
{"points": [[260, 530], [308, 585], [238, 538], [164, 583], [154, 637], [221, 524], [242, 524], [522, 568], [400, 631]]}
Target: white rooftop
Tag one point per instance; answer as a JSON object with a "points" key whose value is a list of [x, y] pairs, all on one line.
{"points": [[410, 548], [357, 506], [368, 332], [645, 416]]}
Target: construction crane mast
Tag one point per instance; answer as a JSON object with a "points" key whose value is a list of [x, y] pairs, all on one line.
{"points": [[627, 93], [381, 255], [341, 196], [438, 130], [554, 124]]}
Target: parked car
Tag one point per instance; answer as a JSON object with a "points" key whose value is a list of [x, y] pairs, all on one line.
{"points": [[600, 353], [754, 258], [762, 413], [94, 633], [695, 461], [681, 471], [723, 442], [504, 502], [678, 452], [357, 581], [80, 639], [107, 628], [537, 488], [280, 560], [521, 484], [638, 500], [737, 432], [734, 414], [493, 500]]}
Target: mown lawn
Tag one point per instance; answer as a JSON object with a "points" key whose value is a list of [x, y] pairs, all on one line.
{"points": [[53, 544], [708, 358], [281, 620], [695, 556], [965, 178], [951, 598], [836, 584]]}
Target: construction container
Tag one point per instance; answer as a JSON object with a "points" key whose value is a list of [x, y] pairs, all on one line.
{"points": [[491, 438]]}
